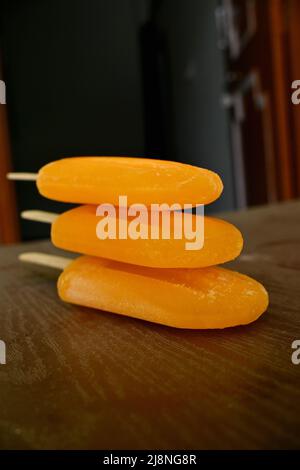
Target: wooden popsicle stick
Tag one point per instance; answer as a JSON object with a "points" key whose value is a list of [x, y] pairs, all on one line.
{"points": [[39, 216], [42, 259], [22, 176]]}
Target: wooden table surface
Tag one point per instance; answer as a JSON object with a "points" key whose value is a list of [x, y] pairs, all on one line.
{"points": [[78, 378]]}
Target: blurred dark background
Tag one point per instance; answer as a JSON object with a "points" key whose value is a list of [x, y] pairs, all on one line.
{"points": [[204, 82]]}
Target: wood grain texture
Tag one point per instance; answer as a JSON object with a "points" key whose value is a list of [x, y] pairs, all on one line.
{"points": [[78, 378]]}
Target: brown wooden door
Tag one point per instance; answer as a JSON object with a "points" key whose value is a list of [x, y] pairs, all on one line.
{"points": [[257, 93], [292, 39], [9, 229]]}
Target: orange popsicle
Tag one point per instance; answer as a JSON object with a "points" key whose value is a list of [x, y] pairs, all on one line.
{"points": [[75, 230], [182, 298], [95, 180]]}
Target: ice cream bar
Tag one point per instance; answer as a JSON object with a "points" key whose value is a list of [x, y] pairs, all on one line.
{"points": [[182, 298], [75, 230], [95, 180]]}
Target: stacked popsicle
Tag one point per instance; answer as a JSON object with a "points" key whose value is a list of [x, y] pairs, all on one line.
{"points": [[158, 279]]}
